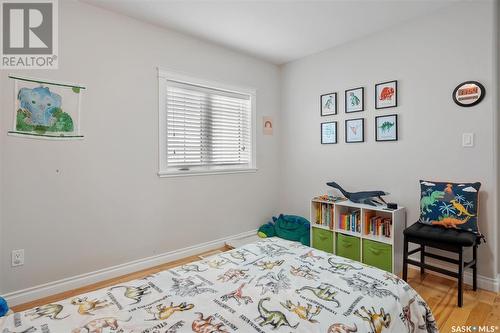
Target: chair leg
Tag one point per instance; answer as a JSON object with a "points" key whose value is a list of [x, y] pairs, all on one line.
{"points": [[460, 276], [422, 259], [405, 258], [474, 268]]}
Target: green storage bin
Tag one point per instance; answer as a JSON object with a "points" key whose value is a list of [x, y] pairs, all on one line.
{"points": [[322, 239], [348, 247], [377, 254]]}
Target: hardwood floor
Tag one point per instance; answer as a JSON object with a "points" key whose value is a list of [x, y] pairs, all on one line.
{"points": [[480, 308]]}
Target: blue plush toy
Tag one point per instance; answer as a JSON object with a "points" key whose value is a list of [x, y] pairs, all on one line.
{"points": [[4, 308]]}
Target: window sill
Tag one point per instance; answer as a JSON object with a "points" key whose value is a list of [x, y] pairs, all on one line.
{"points": [[171, 174]]}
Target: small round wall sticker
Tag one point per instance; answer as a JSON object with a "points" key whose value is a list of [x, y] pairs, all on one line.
{"points": [[469, 93]]}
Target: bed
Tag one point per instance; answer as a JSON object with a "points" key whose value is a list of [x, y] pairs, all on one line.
{"points": [[272, 285]]}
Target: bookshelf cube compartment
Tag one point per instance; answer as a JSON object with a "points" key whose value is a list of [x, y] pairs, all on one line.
{"points": [[377, 254], [322, 239], [348, 247]]}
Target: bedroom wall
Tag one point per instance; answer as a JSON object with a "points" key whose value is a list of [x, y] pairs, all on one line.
{"points": [[106, 205], [428, 57]]}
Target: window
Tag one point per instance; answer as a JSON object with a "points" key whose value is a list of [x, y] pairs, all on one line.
{"points": [[205, 127]]}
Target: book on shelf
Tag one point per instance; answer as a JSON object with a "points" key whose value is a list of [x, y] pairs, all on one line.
{"points": [[324, 214], [378, 226], [350, 221]]}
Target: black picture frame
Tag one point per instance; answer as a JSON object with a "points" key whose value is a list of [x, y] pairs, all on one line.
{"points": [[395, 95], [336, 133], [362, 130], [362, 99], [321, 105], [480, 86], [396, 128]]}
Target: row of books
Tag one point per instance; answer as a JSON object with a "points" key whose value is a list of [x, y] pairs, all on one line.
{"points": [[350, 221], [378, 226], [324, 215]]}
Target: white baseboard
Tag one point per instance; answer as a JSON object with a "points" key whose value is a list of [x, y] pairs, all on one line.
{"points": [[483, 282], [55, 287]]}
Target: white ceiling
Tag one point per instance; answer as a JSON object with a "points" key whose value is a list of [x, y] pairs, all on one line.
{"points": [[276, 31]]}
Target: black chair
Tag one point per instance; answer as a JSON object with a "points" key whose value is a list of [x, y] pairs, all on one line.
{"points": [[453, 240]]}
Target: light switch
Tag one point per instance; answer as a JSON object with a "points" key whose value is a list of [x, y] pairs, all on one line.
{"points": [[468, 140]]}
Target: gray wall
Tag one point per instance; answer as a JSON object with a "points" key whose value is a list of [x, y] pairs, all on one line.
{"points": [[107, 206], [428, 57]]}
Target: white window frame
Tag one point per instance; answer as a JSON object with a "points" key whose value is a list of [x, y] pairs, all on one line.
{"points": [[163, 171]]}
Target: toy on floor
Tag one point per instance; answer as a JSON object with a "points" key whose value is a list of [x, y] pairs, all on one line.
{"points": [[289, 227], [4, 308]]}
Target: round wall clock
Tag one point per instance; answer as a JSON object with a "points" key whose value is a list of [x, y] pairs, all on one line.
{"points": [[469, 93]]}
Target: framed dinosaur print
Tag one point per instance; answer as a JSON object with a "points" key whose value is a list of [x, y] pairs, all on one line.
{"points": [[354, 100], [449, 205], [46, 109], [386, 95], [386, 128], [328, 104]]}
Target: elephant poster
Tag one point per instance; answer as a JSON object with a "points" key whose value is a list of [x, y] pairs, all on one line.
{"points": [[45, 109]]}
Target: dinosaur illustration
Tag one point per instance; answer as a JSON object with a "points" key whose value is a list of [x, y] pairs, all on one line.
{"points": [[386, 126], [450, 222], [305, 272], [99, 325], [430, 323], [304, 312], [239, 255], [237, 295], [372, 198], [393, 278], [134, 293], [187, 287], [49, 310], [86, 307], [30, 329], [164, 312], [206, 325], [353, 99], [272, 250], [273, 318], [406, 316], [233, 275], [273, 283], [310, 255], [324, 292], [217, 263], [340, 266], [329, 103], [376, 320], [342, 328], [269, 264], [190, 268], [430, 200], [461, 209], [386, 93], [368, 288]]}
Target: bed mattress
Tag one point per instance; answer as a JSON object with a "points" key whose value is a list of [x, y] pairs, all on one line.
{"points": [[272, 285]]}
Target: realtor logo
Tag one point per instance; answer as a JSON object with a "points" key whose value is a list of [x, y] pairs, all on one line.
{"points": [[29, 34]]}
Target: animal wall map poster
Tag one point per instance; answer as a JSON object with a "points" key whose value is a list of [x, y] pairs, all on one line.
{"points": [[46, 109]]}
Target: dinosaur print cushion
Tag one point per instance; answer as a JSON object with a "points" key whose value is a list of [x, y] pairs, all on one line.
{"points": [[272, 285], [449, 205]]}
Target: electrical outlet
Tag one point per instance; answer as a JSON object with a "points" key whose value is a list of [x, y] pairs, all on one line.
{"points": [[17, 257]]}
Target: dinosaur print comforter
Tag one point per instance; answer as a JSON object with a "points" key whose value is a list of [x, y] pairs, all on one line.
{"points": [[271, 285]]}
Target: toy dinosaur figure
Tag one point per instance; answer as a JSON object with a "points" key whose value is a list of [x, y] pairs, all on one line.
{"points": [[461, 209], [323, 292], [269, 264], [237, 295], [304, 312], [377, 320], [164, 312], [273, 318], [430, 200], [450, 222], [372, 198]]}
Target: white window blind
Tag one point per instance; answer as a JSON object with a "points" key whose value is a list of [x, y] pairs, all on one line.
{"points": [[207, 128]]}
